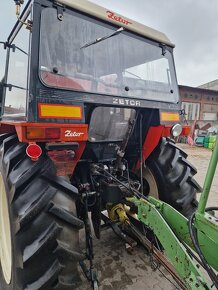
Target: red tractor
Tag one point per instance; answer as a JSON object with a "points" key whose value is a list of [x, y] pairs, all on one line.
{"points": [[90, 108]]}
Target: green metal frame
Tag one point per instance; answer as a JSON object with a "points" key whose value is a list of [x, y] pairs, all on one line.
{"points": [[171, 228]]}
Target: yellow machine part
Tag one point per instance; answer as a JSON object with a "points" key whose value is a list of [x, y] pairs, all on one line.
{"points": [[117, 212]]}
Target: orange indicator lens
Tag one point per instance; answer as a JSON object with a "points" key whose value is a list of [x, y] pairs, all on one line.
{"points": [[60, 111], [169, 117], [35, 133]]}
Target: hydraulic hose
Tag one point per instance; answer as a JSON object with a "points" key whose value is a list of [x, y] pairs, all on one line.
{"points": [[193, 234]]}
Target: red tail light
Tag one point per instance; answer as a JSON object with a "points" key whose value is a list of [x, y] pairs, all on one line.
{"points": [[53, 133], [34, 151]]}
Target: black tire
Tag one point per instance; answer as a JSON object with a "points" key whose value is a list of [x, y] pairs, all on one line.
{"points": [[174, 176], [44, 226]]}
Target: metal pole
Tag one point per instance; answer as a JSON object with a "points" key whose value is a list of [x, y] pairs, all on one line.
{"points": [[208, 180]]}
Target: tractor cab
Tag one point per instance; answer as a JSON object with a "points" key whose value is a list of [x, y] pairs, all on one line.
{"points": [[87, 72], [90, 111], [59, 52]]}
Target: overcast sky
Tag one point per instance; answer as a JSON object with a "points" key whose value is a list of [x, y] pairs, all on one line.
{"points": [[191, 24]]}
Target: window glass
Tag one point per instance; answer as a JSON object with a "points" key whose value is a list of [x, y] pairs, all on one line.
{"points": [[192, 110], [18, 68], [110, 123], [15, 100], [2, 61], [2, 72], [210, 108], [124, 64], [210, 116]]}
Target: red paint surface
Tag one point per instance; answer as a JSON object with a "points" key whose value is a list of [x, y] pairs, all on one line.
{"points": [[153, 137], [79, 132], [151, 141], [64, 161]]}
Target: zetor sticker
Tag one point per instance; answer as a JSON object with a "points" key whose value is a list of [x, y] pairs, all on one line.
{"points": [[69, 133], [117, 18]]}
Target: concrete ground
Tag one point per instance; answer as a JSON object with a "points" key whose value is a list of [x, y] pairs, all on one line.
{"points": [[118, 270], [200, 158]]}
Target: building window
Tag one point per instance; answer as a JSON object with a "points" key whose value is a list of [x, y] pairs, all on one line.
{"points": [[210, 108], [210, 116], [192, 110]]}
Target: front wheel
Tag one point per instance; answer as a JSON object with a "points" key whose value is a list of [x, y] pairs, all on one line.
{"points": [[39, 230], [169, 176]]}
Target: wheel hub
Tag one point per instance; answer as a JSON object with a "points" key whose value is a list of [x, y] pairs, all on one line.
{"points": [[149, 177], [5, 234]]}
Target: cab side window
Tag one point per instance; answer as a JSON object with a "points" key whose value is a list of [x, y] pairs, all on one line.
{"points": [[17, 78]]}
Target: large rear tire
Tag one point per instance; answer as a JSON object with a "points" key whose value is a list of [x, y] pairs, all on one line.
{"points": [[169, 176], [41, 230]]}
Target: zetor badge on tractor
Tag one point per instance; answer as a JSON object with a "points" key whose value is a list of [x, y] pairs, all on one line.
{"points": [[90, 106]]}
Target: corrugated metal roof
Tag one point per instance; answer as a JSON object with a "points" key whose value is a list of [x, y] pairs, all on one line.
{"points": [[115, 18]]}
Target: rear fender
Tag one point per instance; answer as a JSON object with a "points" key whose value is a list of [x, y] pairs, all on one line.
{"points": [[62, 150], [153, 138]]}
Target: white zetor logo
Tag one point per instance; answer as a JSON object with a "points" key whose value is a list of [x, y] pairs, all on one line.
{"points": [[69, 133]]}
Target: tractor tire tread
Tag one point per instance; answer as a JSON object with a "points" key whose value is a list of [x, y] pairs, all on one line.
{"points": [[66, 216], [46, 243], [174, 176]]}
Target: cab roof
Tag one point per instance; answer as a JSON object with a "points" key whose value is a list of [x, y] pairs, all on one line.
{"points": [[115, 18]]}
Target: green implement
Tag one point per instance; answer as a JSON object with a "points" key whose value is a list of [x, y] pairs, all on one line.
{"points": [[179, 241]]}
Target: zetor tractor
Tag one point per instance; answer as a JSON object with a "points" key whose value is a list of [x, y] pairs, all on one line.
{"points": [[90, 108]]}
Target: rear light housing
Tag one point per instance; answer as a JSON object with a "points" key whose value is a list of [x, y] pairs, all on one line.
{"points": [[36, 133]]}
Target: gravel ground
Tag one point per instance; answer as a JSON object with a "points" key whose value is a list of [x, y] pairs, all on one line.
{"points": [[119, 270]]}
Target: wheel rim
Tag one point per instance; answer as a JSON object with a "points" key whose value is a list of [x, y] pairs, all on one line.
{"points": [[5, 235], [149, 177]]}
